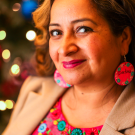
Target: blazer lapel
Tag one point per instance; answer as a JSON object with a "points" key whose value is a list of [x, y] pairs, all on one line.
{"points": [[121, 117], [35, 108], [39, 107]]}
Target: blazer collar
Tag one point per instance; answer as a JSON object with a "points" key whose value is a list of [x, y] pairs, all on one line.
{"points": [[122, 117]]}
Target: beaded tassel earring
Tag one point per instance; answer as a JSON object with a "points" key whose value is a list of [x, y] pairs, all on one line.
{"points": [[59, 80], [124, 73]]}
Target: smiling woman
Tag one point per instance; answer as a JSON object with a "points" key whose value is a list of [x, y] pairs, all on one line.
{"points": [[79, 50], [91, 45]]}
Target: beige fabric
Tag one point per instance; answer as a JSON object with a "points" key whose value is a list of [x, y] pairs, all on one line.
{"points": [[122, 116], [38, 95]]}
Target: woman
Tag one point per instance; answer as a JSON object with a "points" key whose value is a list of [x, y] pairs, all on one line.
{"points": [[87, 41]]}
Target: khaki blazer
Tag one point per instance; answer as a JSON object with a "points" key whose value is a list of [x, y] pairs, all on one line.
{"points": [[38, 95]]}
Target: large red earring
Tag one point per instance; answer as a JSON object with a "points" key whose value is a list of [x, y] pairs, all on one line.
{"points": [[59, 80], [124, 73]]}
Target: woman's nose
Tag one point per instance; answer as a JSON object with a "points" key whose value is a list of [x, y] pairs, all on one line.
{"points": [[68, 45]]}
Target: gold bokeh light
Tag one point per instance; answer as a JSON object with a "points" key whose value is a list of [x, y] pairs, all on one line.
{"points": [[15, 69], [9, 104], [31, 35], [2, 106], [2, 35], [6, 54]]}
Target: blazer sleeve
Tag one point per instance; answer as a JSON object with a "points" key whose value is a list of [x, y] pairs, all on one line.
{"points": [[20, 101], [30, 84]]}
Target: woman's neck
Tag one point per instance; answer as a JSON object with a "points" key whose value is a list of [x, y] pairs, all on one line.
{"points": [[89, 105], [94, 97]]}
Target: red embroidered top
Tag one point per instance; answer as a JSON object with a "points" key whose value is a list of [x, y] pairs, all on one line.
{"points": [[55, 124]]}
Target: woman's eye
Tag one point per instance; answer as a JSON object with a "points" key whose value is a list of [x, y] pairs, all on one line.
{"points": [[55, 33], [84, 29]]}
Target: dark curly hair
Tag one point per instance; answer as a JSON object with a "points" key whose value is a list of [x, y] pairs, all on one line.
{"points": [[118, 13]]}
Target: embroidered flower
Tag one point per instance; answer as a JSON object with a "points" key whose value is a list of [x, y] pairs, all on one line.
{"points": [[55, 122], [51, 110], [42, 128], [64, 133], [92, 131], [61, 125], [39, 133], [76, 131], [55, 114]]}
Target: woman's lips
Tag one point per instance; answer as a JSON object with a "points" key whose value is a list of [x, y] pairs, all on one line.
{"points": [[72, 63]]}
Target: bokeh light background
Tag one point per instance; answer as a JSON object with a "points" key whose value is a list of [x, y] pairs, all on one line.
{"points": [[17, 35]]}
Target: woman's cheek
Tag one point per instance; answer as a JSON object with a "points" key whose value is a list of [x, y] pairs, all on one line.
{"points": [[93, 48], [53, 51]]}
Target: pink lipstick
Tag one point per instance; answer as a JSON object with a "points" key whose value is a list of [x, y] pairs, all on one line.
{"points": [[72, 63]]}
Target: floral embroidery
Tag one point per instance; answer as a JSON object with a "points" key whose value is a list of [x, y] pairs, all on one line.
{"points": [[42, 128], [65, 132], [56, 114], [39, 133], [98, 131], [55, 124], [76, 131], [92, 131], [61, 125]]}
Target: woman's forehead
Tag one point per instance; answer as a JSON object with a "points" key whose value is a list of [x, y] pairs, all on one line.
{"points": [[68, 4], [62, 9]]}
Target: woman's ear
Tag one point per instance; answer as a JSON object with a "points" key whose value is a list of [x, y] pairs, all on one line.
{"points": [[126, 37]]}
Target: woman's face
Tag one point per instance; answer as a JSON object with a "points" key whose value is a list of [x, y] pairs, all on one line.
{"points": [[81, 44]]}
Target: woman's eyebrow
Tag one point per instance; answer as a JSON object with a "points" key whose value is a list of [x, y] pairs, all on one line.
{"points": [[54, 24], [84, 19], [75, 21]]}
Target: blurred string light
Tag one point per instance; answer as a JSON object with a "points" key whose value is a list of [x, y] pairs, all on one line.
{"points": [[15, 70], [31, 35], [16, 7], [6, 55], [2, 106], [2, 35], [8, 104]]}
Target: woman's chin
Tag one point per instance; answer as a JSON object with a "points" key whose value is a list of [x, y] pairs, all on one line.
{"points": [[76, 78], [73, 81]]}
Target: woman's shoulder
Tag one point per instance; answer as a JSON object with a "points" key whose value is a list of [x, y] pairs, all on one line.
{"points": [[33, 83], [33, 94]]}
